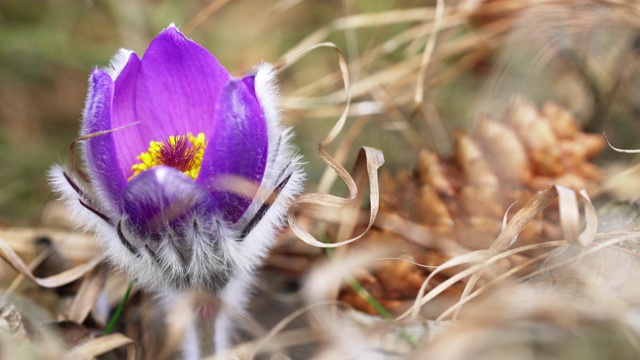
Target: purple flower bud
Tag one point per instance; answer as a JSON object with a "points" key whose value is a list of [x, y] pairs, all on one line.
{"points": [[192, 172]]}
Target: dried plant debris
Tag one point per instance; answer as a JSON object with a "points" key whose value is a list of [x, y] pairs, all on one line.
{"points": [[21, 333], [65, 314], [463, 200], [11, 323], [23, 336], [554, 293], [540, 322]]}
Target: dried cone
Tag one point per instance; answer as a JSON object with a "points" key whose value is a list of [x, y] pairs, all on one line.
{"points": [[466, 197]]}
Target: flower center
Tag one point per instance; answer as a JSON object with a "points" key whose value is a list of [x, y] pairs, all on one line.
{"points": [[181, 152]]}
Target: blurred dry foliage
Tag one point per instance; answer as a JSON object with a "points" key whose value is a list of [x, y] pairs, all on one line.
{"points": [[463, 199], [479, 107]]}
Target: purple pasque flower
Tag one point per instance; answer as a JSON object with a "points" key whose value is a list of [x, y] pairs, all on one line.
{"points": [[189, 172]]}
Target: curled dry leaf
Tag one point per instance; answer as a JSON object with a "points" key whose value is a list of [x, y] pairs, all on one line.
{"points": [[369, 160]]}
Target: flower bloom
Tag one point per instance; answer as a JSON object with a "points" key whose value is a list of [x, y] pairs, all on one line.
{"points": [[189, 172]]}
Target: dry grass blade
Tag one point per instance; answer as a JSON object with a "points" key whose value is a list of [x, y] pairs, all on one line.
{"points": [[75, 246], [91, 288], [626, 151], [522, 218], [479, 256], [282, 5], [505, 221], [569, 213], [618, 237], [344, 148], [539, 202], [523, 320], [102, 345], [204, 14], [54, 281], [570, 216], [416, 233], [354, 22], [333, 133], [482, 259], [72, 146], [385, 18], [37, 261], [591, 221], [428, 51], [369, 157], [344, 69], [493, 283]]}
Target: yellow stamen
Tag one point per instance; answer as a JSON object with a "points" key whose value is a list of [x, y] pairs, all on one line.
{"points": [[182, 152]]}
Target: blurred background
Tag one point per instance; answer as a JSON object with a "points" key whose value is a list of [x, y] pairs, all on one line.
{"points": [[583, 55]]}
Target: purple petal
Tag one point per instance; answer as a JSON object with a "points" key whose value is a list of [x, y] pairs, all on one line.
{"points": [[163, 198], [237, 149], [175, 92], [249, 82], [124, 114], [100, 153]]}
